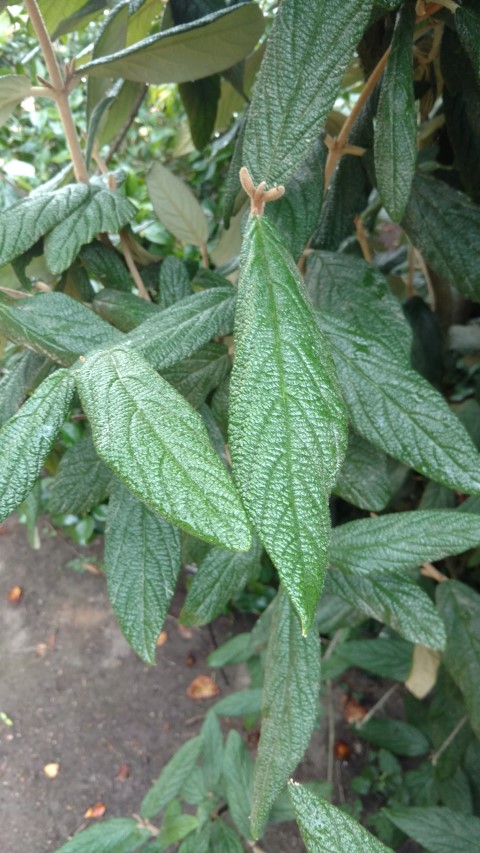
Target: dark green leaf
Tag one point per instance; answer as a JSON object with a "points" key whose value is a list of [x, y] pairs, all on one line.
{"points": [[238, 775], [287, 422], [120, 835], [157, 444], [455, 792], [178, 827], [82, 480], [225, 838], [307, 54], [174, 283], [107, 266], [200, 99], [55, 325], [328, 829], [220, 576], [396, 125], [363, 478], [142, 561], [467, 20], [289, 707], [439, 830], [172, 778], [125, 311], [212, 751], [26, 439], [240, 703], [443, 224], [396, 736], [459, 606], [346, 198], [389, 657], [198, 375], [21, 377], [188, 51]]}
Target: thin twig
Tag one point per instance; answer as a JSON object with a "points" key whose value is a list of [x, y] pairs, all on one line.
{"points": [[430, 571], [446, 743], [142, 290], [126, 127], [362, 239], [381, 702]]}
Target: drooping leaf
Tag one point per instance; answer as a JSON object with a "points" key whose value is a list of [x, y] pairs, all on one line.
{"points": [[397, 410], [13, 89], [176, 332], [128, 97], [22, 224], [176, 206], [174, 283], [21, 378], [107, 266], [235, 650], [443, 224], [467, 22], [238, 775], [439, 830], [55, 325], [289, 707], [200, 99], [388, 657], [212, 751], [120, 835], [307, 54], [394, 599], [26, 439], [157, 444], [326, 828], [396, 124], [402, 540], [459, 606], [142, 561], [172, 778], [188, 51], [198, 375], [197, 842], [175, 829], [240, 703], [395, 735], [82, 480], [220, 576], [125, 311], [101, 210], [287, 423], [363, 478]]}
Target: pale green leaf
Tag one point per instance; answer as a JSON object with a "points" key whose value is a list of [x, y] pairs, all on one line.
{"points": [[82, 480], [289, 707], [235, 650], [396, 121], [13, 89], [238, 775], [142, 562], [240, 703], [157, 444], [120, 835], [20, 378], [125, 311], [186, 52], [178, 827], [327, 829], [61, 17], [102, 210], [437, 829], [176, 206], [111, 38], [307, 54], [221, 575], [172, 778], [26, 439], [195, 377], [22, 224], [459, 606], [363, 478], [402, 540], [174, 283], [55, 325], [287, 421]]}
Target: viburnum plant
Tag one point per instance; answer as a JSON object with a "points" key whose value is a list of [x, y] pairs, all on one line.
{"points": [[234, 402]]}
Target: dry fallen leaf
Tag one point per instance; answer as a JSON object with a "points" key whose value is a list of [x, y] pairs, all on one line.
{"points": [[98, 810], [185, 633], [342, 750], [15, 595], [52, 770], [190, 660], [203, 687], [353, 710], [123, 772], [162, 638]]}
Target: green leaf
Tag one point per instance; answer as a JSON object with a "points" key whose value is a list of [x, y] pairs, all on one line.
{"points": [[174, 283], [186, 52], [240, 703], [395, 600], [22, 224], [120, 835], [21, 378], [55, 325], [60, 18], [175, 829], [176, 206], [346, 198], [328, 829], [197, 842], [142, 561], [289, 707], [184, 327], [82, 480], [363, 478], [235, 650], [102, 210], [221, 575], [388, 657], [459, 606], [13, 89], [402, 540], [287, 422], [157, 444], [396, 124], [107, 266], [225, 838], [26, 439], [200, 99], [238, 775], [467, 21], [198, 375], [111, 38], [212, 751], [307, 54], [172, 778], [443, 224], [125, 311], [438, 829], [396, 736], [396, 409]]}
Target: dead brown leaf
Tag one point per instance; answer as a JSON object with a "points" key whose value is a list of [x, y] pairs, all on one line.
{"points": [[162, 639], [202, 687], [123, 772], [15, 595], [353, 710], [98, 810]]}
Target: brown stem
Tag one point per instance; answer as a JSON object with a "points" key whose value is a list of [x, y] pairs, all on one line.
{"points": [[204, 251], [59, 91], [123, 132], [436, 755], [381, 702], [430, 571], [142, 290], [339, 144]]}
